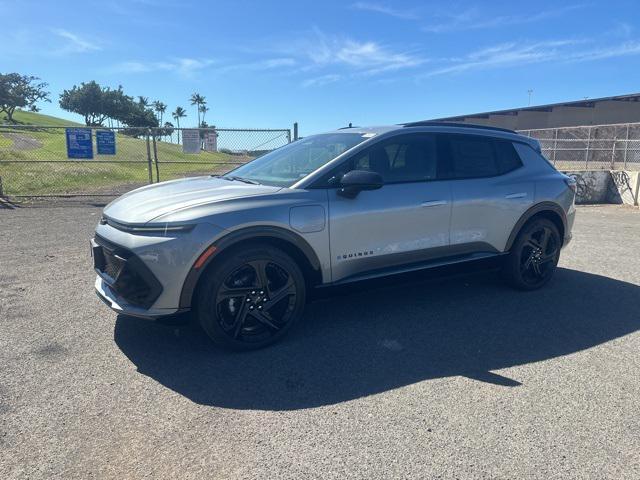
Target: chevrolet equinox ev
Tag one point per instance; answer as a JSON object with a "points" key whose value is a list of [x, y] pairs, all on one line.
{"points": [[243, 249]]}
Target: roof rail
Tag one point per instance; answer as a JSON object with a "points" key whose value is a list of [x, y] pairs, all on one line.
{"points": [[428, 123]]}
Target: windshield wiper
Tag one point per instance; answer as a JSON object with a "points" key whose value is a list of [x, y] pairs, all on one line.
{"points": [[241, 179]]}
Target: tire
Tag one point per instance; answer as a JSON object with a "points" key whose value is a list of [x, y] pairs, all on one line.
{"points": [[534, 255], [251, 297]]}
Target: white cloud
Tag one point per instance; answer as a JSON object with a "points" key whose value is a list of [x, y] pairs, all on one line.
{"points": [[187, 67], [623, 50], [277, 62], [367, 57], [504, 55], [514, 54], [321, 80], [473, 19], [74, 43], [267, 64], [385, 10], [183, 66]]}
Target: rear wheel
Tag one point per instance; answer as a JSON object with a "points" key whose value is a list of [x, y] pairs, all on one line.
{"points": [[251, 298], [534, 255]]}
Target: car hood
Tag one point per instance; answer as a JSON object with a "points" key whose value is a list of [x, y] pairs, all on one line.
{"points": [[146, 203]]}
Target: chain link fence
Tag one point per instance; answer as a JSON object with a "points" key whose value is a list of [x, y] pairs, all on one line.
{"points": [[600, 147], [34, 160]]}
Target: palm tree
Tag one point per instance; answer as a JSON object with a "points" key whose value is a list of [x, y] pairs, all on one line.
{"points": [[160, 108], [177, 115], [197, 100], [143, 101], [203, 109], [168, 128]]}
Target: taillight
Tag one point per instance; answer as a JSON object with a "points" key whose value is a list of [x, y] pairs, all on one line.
{"points": [[571, 183]]}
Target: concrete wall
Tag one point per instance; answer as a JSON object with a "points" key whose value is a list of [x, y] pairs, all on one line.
{"points": [[606, 186], [592, 185], [623, 188]]}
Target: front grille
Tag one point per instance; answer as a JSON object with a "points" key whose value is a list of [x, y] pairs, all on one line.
{"points": [[126, 274], [113, 265]]}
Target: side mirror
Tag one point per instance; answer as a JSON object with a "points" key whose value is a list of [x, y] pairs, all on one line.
{"points": [[355, 181]]}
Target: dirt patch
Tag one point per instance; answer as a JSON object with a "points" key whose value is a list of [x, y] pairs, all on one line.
{"points": [[20, 142]]}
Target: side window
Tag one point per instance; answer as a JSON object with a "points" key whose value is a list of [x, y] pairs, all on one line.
{"points": [[508, 158], [404, 159], [472, 156]]}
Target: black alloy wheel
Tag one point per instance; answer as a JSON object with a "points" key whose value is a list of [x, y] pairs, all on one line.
{"points": [[534, 255], [252, 298]]}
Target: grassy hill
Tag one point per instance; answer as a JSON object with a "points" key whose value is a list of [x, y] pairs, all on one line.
{"points": [[33, 160], [32, 118]]}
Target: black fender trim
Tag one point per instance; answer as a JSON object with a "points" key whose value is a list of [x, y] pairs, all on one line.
{"points": [[534, 210], [241, 235]]}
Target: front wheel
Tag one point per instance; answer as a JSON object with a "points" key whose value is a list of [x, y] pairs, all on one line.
{"points": [[251, 298], [534, 255]]}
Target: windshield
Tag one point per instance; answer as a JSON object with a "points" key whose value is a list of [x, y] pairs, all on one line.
{"points": [[286, 165]]}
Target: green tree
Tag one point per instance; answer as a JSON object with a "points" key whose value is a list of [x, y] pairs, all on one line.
{"points": [[203, 109], [21, 91], [87, 100], [116, 104], [197, 100], [96, 104], [168, 130], [160, 108], [177, 114], [143, 101]]}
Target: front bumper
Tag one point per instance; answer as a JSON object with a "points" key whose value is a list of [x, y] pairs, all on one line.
{"points": [[119, 305], [142, 274]]}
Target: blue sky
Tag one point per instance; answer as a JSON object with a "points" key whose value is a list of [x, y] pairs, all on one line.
{"points": [[327, 63]]}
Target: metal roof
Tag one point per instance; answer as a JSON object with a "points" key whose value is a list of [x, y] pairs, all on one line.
{"points": [[585, 103]]}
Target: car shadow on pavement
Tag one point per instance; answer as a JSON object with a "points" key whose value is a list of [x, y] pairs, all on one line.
{"points": [[378, 338]]}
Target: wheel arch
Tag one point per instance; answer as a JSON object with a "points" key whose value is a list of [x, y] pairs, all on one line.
{"points": [[549, 210], [289, 242]]}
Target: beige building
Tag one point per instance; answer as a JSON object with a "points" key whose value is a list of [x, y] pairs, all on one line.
{"points": [[596, 111]]}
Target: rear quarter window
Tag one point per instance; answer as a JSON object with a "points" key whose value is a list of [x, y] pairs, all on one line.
{"points": [[529, 156], [508, 158]]}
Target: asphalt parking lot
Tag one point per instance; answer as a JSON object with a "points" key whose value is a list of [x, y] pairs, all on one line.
{"points": [[457, 378]]}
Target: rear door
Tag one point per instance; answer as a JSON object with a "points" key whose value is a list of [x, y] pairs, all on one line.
{"points": [[491, 189], [405, 221]]}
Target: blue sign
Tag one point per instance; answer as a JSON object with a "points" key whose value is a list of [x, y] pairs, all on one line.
{"points": [[79, 143], [106, 142]]}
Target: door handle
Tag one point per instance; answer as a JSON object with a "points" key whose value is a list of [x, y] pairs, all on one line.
{"points": [[433, 203], [516, 195]]}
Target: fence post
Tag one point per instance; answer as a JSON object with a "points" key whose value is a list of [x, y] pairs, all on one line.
{"points": [[626, 146], [295, 131], [149, 159], [288, 136], [613, 154], [155, 159], [586, 152], [555, 146]]}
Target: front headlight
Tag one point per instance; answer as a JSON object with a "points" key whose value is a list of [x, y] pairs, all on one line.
{"points": [[158, 228]]}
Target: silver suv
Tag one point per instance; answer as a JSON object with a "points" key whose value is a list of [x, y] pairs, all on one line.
{"points": [[242, 250]]}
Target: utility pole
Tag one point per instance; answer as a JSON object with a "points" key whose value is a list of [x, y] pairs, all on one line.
{"points": [[530, 91]]}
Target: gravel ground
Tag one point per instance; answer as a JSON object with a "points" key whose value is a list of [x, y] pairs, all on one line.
{"points": [[457, 378]]}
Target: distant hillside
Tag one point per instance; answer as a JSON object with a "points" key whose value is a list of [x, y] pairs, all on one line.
{"points": [[31, 118]]}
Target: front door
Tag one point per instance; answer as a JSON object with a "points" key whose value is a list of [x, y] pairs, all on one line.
{"points": [[405, 221]]}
